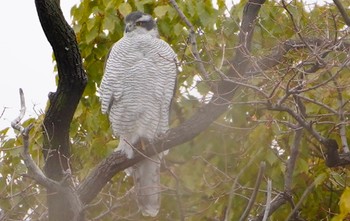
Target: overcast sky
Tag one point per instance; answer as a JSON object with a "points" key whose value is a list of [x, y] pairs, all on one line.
{"points": [[25, 58]]}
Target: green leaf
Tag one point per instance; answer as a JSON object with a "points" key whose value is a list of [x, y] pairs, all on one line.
{"points": [[320, 178], [178, 29], [161, 10], [271, 157], [91, 35], [124, 9], [90, 23], [109, 23]]}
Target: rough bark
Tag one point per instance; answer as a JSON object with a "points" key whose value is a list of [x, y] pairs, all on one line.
{"points": [[63, 102]]}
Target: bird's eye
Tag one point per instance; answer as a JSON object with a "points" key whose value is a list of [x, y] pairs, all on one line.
{"points": [[139, 23]]}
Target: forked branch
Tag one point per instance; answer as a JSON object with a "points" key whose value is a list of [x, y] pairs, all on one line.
{"points": [[34, 172]]}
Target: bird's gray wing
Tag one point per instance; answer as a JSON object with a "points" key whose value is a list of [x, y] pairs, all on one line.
{"points": [[110, 89], [166, 63]]}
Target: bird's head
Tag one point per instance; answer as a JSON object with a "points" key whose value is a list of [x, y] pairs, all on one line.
{"points": [[137, 23]]}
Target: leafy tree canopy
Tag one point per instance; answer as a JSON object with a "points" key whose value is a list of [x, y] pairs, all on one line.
{"points": [[269, 143]]}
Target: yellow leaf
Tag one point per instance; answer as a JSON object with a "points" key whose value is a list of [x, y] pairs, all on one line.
{"points": [[344, 205]]}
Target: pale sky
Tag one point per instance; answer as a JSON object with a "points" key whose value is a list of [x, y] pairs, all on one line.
{"points": [[25, 58]]}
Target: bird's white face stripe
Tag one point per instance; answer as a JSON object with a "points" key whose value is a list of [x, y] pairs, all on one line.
{"points": [[145, 18]]}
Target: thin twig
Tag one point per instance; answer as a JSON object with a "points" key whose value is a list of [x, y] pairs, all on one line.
{"points": [[305, 124], [34, 172], [178, 197], [302, 198], [298, 32], [268, 200], [233, 187], [294, 152], [193, 42], [16, 122], [2, 113], [255, 192], [342, 125], [314, 101]]}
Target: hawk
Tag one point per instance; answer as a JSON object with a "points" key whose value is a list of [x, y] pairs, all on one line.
{"points": [[136, 92]]}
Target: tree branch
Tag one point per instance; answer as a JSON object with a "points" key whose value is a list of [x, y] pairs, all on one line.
{"points": [[255, 192], [302, 198], [35, 172], [192, 40], [234, 185], [71, 84], [268, 200], [343, 12], [278, 52], [294, 152]]}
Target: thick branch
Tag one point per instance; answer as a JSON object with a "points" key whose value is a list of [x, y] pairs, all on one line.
{"points": [[63, 102], [72, 81], [342, 12], [190, 128]]}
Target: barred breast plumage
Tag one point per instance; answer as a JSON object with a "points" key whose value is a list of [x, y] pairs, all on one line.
{"points": [[138, 85]]}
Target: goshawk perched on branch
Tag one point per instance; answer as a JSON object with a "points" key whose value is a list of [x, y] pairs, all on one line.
{"points": [[136, 92]]}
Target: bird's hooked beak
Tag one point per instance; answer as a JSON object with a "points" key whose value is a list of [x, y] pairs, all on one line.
{"points": [[129, 27]]}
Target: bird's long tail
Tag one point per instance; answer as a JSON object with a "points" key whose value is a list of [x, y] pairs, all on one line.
{"points": [[146, 176]]}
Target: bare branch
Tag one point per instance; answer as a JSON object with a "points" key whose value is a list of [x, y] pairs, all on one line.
{"points": [[300, 120], [2, 113], [255, 192], [294, 152], [234, 186], [276, 203], [278, 52], [192, 40], [35, 172], [343, 12], [342, 125], [16, 123], [314, 101], [302, 198], [333, 158], [268, 200]]}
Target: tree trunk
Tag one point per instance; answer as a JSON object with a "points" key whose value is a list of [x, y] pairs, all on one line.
{"points": [[72, 80]]}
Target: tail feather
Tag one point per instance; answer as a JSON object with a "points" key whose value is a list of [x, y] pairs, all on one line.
{"points": [[146, 176]]}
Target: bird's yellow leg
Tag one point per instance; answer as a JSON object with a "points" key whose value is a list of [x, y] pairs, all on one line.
{"points": [[143, 142]]}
